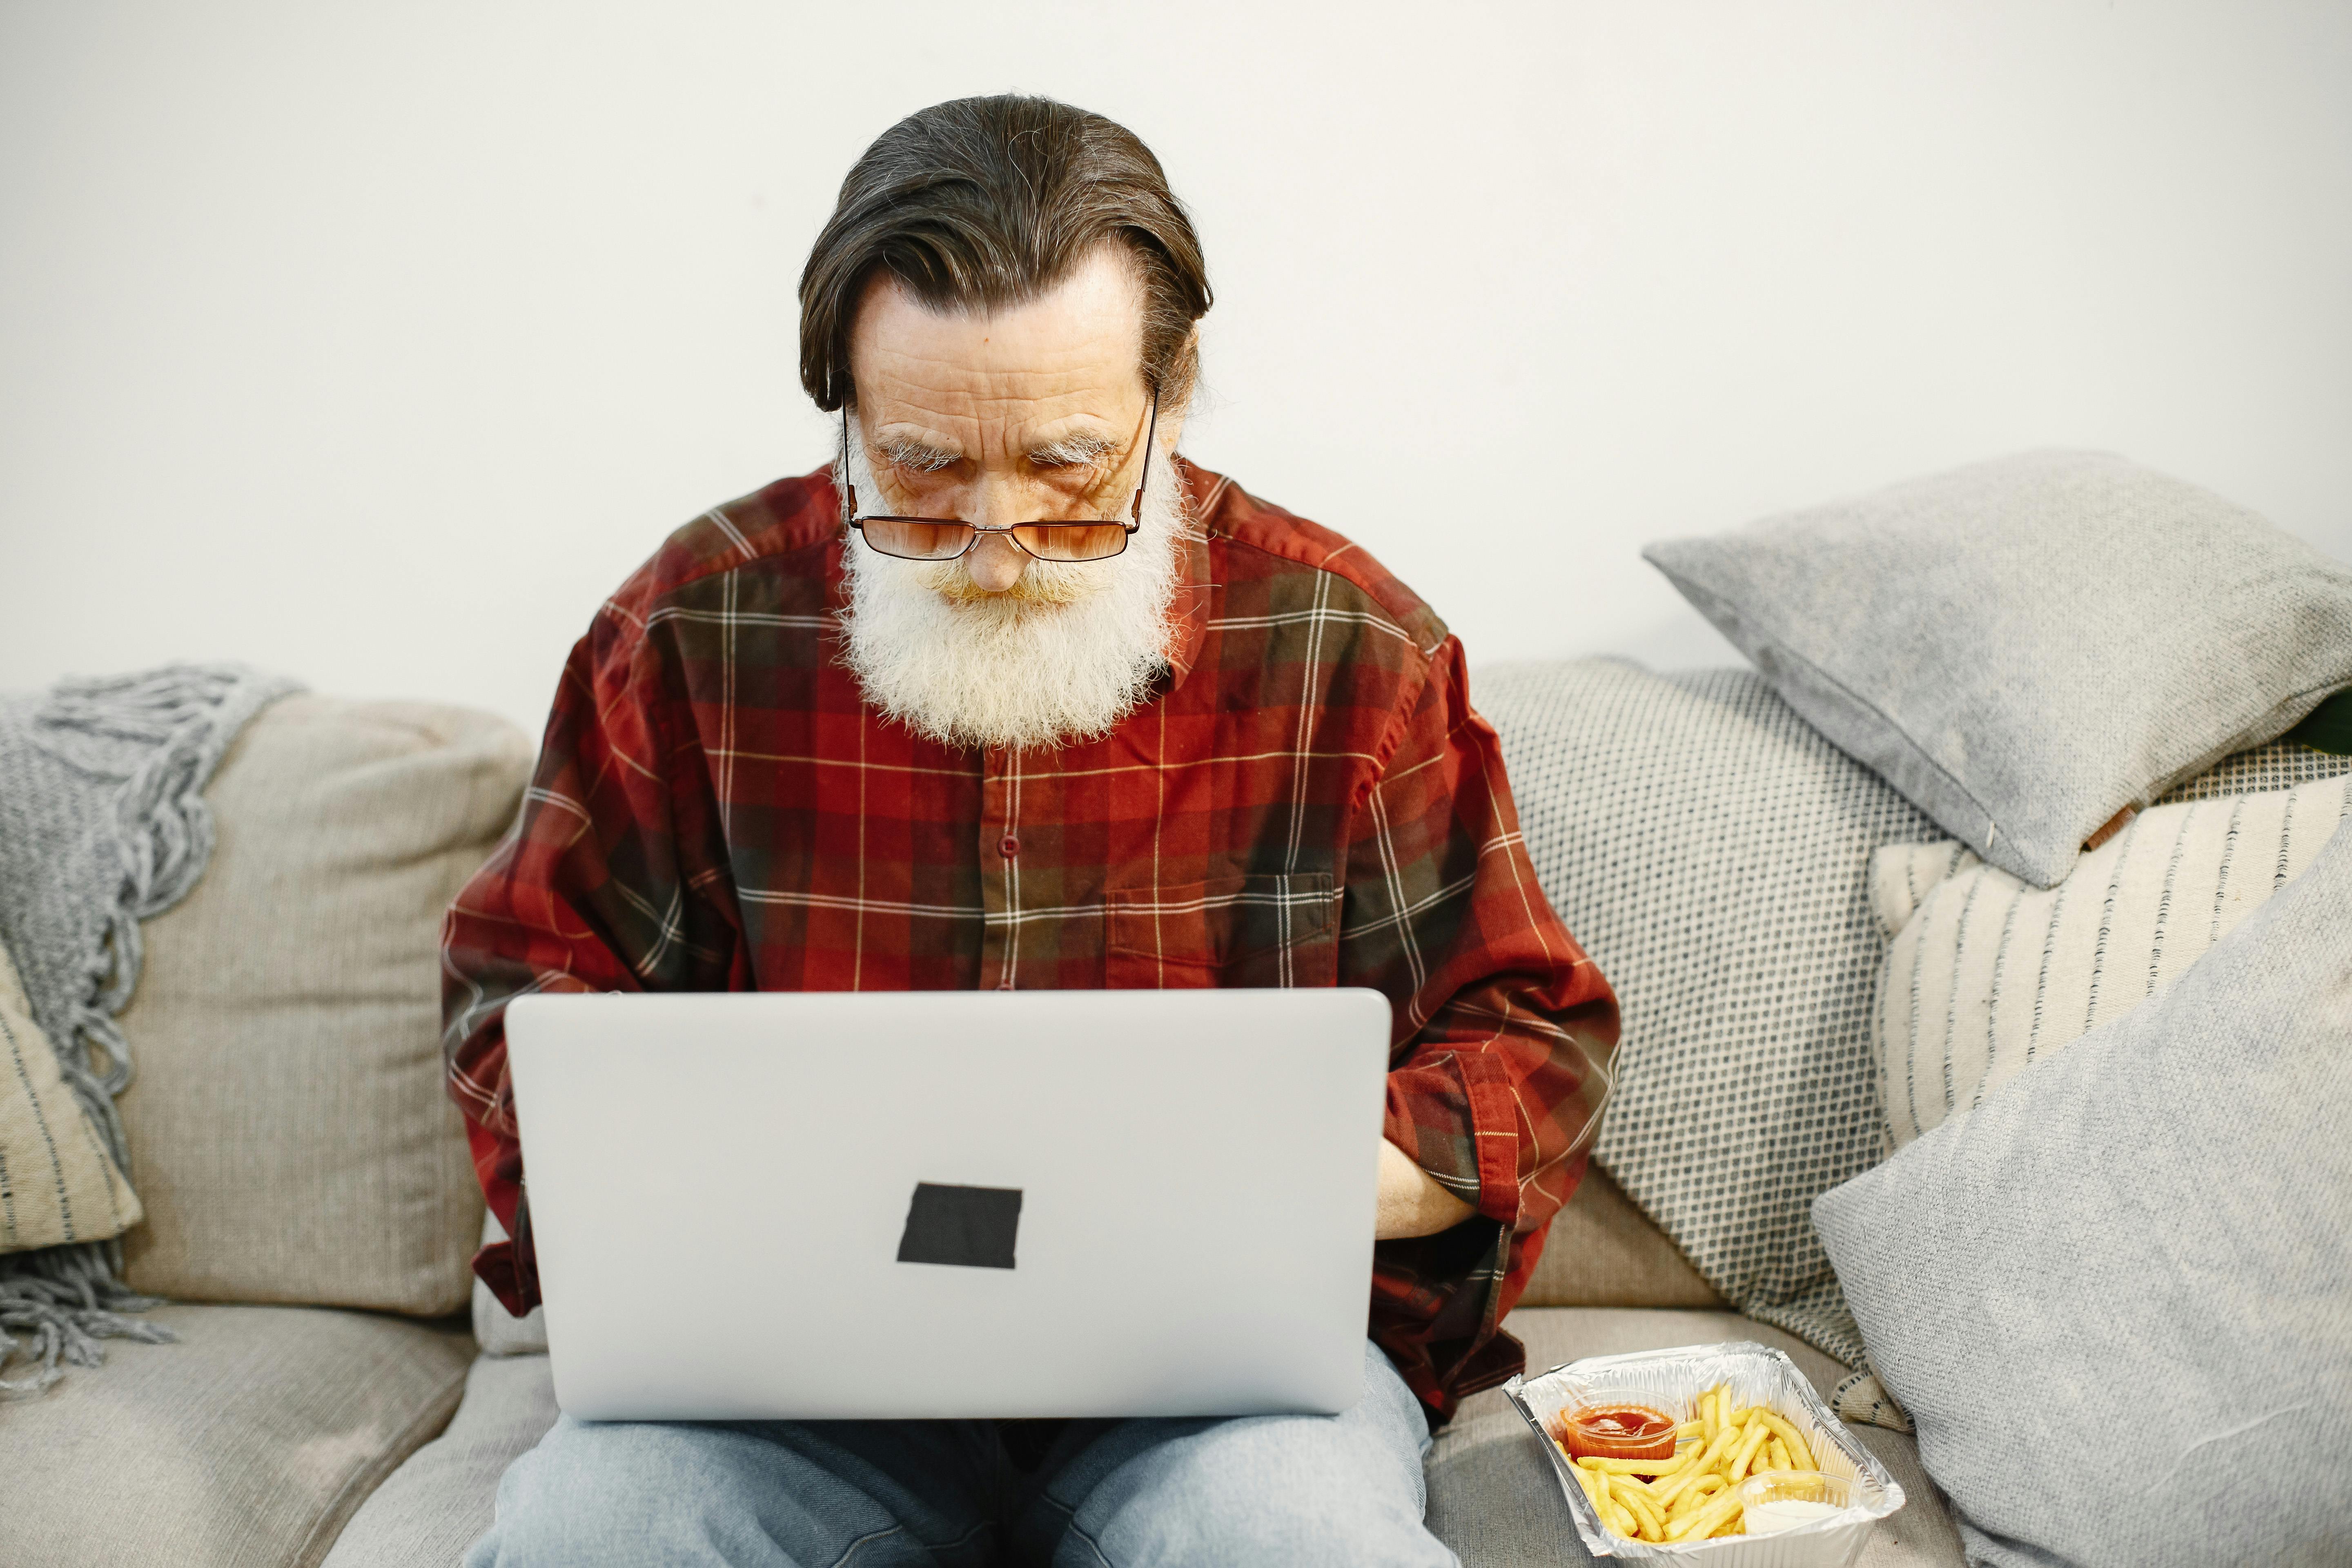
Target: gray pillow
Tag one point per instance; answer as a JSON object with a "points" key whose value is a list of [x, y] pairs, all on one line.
{"points": [[2116, 1298], [2026, 646]]}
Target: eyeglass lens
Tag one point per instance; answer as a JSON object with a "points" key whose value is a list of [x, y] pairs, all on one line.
{"points": [[913, 539], [944, 539]]}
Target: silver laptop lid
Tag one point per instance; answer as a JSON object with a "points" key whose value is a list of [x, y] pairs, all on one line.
{"points": [[824, 1206]]}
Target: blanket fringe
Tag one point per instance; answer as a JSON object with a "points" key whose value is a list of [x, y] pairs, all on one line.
{"points": [[64, 1299], [186, 714]]}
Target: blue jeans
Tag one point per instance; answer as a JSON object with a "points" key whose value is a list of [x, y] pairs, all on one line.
{"points": [[1287, 1489]]}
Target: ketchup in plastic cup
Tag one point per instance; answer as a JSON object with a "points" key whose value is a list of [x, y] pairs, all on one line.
{"points": [[1616, 1431]]}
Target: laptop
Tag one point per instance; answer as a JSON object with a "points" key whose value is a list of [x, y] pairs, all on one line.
{"points": [[822, 1205]]}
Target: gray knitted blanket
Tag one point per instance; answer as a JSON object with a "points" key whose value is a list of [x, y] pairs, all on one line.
{"points": [[102, 825]]}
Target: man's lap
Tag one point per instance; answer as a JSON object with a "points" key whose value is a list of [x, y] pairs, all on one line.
{"points": [[1127, 1494]]}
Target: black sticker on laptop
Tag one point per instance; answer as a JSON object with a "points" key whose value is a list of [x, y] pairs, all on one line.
{"points": [[972, 1227]]}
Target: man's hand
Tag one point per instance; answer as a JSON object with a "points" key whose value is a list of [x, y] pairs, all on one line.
{"points": [[1411, 1203]]}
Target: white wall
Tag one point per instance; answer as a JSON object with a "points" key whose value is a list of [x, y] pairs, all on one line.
{"points": [[376, 343]]}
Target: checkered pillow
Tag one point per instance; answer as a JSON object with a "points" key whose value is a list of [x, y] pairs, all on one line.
{"points": [[1710, 850]]}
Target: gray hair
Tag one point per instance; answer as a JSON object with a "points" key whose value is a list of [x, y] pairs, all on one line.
{"points": [[987, 201]]}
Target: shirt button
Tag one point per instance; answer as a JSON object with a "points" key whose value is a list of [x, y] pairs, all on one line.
{"points": [[1008, 847]]}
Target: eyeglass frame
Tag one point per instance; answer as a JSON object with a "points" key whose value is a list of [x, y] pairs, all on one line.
{"points": [[1128, 530]]}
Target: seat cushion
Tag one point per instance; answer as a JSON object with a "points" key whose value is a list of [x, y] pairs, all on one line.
{"points": [[245, 1444], [289, 1131], [1495, 1498], [1604, 1252], [438, 1503]]}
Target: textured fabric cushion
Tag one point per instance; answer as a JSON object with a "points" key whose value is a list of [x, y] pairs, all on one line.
{"points": [[437, 1504], [1709, 850], [2024, 647], [496, 1329], [1604, 1252], [288, 1125], [2134, 1255], [1493, 1496], [1985, 975], [58, 1182], [245, 1444], [2282, 765]]}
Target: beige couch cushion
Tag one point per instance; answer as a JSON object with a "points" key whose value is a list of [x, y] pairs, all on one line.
{"points": [[288, 1130], [1604, 1252], [245, 1444], [1495, 1498], [57, 1182], [437, 1504]]}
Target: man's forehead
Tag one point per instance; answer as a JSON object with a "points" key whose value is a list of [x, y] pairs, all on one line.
{"points": [[917, 410], [1071, 357]]}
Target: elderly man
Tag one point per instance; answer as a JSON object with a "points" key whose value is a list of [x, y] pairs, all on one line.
{"points": [[1014, 696]]}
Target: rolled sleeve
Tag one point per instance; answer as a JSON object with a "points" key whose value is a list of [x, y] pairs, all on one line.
{"points": [[597, 889], [1506, 1034]]}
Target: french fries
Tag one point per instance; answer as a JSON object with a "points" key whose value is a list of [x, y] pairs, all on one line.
{"points": [[1752, 1438], [1693, 1496], [1643, 1466], [1788, 1434]]}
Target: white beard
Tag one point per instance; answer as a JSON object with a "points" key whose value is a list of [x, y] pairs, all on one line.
{"points": [[1062, 656]]}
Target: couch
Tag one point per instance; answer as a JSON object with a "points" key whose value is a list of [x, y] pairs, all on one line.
{"points": [[312, 1211]]}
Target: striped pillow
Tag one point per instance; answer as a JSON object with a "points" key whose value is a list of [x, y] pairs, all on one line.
{"points": [[58, 1182], [1985, 974]]}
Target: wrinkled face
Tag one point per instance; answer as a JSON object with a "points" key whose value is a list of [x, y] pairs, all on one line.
{"points": [[1033, 412]]}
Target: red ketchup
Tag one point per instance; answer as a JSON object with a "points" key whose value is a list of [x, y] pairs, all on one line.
{"points": [[1616, 1432]]}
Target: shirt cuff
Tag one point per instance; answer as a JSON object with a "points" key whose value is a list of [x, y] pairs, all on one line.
{"points": [[1455, 1115], [511, 1267]]}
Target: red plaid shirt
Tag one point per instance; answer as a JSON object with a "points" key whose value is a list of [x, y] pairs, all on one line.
{"points": [[1308, 799]]}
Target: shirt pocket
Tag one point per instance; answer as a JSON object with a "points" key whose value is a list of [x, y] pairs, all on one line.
{"points": [[1230, 932]]}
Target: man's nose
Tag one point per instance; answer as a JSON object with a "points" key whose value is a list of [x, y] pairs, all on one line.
{"points": [[995, 562]]}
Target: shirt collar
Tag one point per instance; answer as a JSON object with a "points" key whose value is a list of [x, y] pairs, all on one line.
{"points": [[1188, 611]]}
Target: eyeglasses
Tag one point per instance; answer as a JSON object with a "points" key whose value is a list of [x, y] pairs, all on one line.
{"points": [[946, 537]]}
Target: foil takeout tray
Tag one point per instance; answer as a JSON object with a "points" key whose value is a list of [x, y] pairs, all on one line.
{"points": [[1673, 1380]]}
